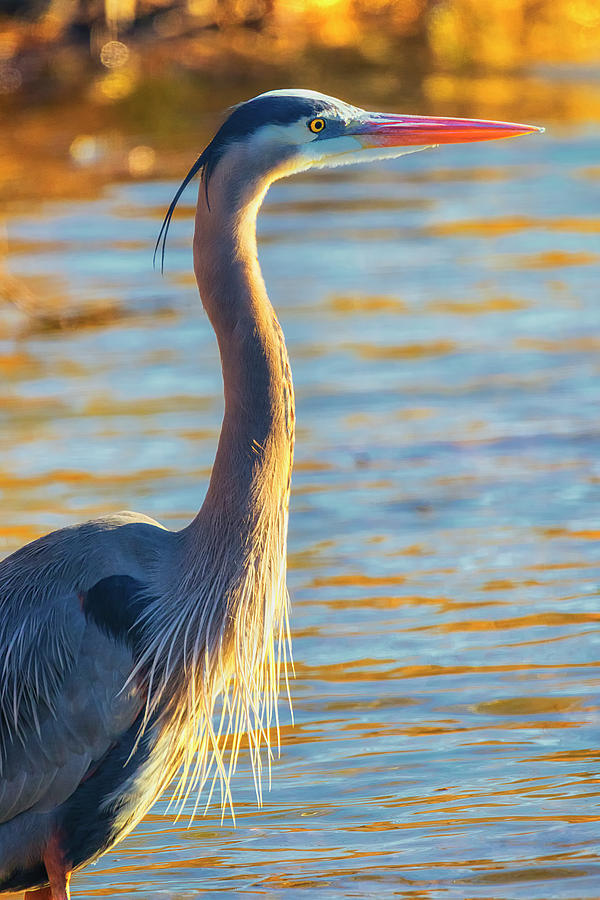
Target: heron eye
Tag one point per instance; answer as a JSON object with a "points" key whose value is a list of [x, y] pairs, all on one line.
{"points": [[316, 125]]}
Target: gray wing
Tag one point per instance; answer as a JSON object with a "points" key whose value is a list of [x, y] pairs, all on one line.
{"points": [[62, 702]]}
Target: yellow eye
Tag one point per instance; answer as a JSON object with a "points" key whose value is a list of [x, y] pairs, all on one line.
{"points": [[317, 125]]}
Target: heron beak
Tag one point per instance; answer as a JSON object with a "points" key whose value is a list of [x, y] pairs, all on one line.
{"points": [[383, 130]]}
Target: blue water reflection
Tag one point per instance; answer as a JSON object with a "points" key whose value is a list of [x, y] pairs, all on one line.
{"points": [[442, 318]]}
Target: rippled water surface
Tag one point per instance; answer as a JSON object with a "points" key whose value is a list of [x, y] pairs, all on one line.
{"points": [[441, 313]]}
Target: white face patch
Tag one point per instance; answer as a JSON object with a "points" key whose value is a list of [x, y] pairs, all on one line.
{"points": [[294, 135]]}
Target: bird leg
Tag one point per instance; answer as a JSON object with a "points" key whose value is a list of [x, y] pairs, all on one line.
{"points": [[58, 875]]}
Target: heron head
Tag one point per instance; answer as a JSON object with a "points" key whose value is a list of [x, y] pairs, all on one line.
{"points": [[286, 131]]}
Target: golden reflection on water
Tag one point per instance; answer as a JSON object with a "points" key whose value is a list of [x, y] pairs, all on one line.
{"points": [[442, 320]]}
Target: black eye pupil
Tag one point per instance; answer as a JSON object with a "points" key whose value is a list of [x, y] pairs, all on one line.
{"points": [[317, 125]]}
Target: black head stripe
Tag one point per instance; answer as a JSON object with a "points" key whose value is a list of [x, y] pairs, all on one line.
{"points": [[246, 118]]}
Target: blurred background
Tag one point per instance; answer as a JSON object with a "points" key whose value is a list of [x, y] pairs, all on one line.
{"points": [[83, 81], [442, 318]]}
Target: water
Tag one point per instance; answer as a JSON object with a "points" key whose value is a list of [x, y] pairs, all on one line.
{"points": [[442, 319]]}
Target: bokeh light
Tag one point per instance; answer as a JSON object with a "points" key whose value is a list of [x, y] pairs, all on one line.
{"points": [[114, 54], [141, 161]]}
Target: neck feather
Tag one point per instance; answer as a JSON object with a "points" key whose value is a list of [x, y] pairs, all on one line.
{"points": [[253, 462]]}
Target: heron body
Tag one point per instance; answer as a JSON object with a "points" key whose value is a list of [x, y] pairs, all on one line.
{"points": [[118, 635]]}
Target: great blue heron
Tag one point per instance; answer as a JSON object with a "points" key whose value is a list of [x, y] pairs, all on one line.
{"points": [[118, 636]]}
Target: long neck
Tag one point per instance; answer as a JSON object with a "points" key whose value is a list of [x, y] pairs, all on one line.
{"points": [[252, 467], [220, 625]]}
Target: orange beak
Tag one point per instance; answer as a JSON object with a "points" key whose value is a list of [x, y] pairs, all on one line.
{"points": [[383, 130]]}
